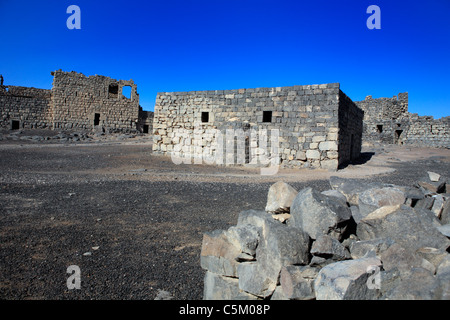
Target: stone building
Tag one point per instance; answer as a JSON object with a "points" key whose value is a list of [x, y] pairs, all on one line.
{"points": [[387, 120], [75, 102], [318, 126]]}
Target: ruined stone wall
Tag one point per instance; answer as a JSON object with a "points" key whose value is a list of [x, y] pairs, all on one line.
{"points": [[23, 107], [93, 102], [306, 117], [426, 131], [387, 120], [350, 129], [383, 117], [145, 122]]}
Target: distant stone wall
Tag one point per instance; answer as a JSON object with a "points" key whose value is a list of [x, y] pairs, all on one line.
{"points": [[145, 122], [387, 120], [426, 131], [23, 107], [94, 101], [306, 117]]}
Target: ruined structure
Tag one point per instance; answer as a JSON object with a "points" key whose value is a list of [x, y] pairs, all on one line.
{"points": [[387, 120], [318, 125], [75, 102]]}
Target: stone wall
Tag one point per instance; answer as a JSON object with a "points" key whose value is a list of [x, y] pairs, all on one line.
{"points": [[306, 117], [350, 129], [93, 102], [24, 107], [145, 122], [387, 120], [426, 131], [75, 102]]}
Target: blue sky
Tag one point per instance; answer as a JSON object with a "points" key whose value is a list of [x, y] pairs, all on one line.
{"points": [[208, 45]]}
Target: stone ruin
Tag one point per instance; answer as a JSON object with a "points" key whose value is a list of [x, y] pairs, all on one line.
{"points": [[356, 241], [318, 125], [75, 102], [388, 121]]}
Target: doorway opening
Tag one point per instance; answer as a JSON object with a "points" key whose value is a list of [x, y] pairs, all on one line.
{"points": [[96, 119]]}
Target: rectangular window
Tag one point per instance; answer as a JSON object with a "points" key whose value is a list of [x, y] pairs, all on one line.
{"points": [[145, 129], [379, 128], [205, 116], [267, 116], [126, 92], [15, 125]]}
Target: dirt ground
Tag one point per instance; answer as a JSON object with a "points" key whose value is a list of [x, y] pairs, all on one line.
{"points": [[133, 221]]}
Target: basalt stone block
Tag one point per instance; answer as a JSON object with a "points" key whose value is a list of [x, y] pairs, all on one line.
{"points": [[432, 186], [244, 237], [347, 280], [374, 198], [410, 228], [318, 214], [219, 255], [417, 284], [297, 282], [216, 287], [359, 249], [280, 197], [329, 248], [280, 245]]}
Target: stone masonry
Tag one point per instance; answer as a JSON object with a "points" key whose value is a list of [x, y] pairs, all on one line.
{"points": [[75, 102], [387, 120], [318, 125]]}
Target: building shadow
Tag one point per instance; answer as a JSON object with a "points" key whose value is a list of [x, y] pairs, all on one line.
{"points": [[362, 159]]}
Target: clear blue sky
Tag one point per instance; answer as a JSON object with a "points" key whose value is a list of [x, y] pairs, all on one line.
{"points": [[206, 45]]}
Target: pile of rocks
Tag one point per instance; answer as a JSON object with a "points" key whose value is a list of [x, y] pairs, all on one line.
{"points": [[357, 240]]}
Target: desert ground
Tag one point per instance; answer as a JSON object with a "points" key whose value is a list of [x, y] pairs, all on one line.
{"points": [[133, 221]]}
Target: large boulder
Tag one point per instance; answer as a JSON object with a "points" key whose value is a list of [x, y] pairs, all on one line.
{"points": [[350, 188], [216, 287], [318, 214], [280, 197], [329, 248], [347, 280], [410, 228], [432, 184], [297, 282], [417, 284], [374, 198], [403, 260], [280, 245], [218, 254], [245, 237]]}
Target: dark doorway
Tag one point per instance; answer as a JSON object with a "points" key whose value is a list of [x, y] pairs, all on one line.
{"points": [[397, 137], [145, 128], [96, 119], [15, 124]]}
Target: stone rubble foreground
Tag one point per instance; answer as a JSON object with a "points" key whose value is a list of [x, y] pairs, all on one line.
{"points": [[356, 241]]}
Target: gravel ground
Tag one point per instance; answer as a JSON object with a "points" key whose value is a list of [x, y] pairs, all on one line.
{"points": [[132, 221]]}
